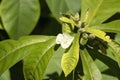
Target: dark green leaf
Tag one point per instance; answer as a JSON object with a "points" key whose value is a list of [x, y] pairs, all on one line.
{"points": [[19, 17], [36, 63]]}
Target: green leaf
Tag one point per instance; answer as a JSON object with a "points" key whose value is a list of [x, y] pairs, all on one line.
{"points": [[5, 75], [108, 77], [63, 6], [67, 20], [91, 72], [73, 6], [56, 60], [19, 17], [101, 66], [100, 34], [115, 48], [71, 57], [113, 26], [66, 28], [99, 10], [107, 60], [36, 63], [117, 38], [12, 51]]}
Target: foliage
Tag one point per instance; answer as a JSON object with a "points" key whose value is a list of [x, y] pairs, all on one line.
{"points": [[87, 46]]}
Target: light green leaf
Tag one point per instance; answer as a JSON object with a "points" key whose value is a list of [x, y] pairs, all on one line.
{"points": [[36, 63], [113, 26], [108, 63], [19, 17], [91, 72], [115, 48], [5, 75], [101, 66], [99, 10], [73, 6], [100, 34], [67, 20], [56, 60], [66, 28], [108, 77], [71, 57], [12, 51], [117, 38], [59, 7]]}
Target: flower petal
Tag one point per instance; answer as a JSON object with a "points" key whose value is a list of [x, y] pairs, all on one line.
{"points": [[59, 38], [67, 40]]}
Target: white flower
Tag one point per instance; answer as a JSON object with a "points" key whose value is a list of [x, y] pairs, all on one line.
{"points": [[64, 39]]}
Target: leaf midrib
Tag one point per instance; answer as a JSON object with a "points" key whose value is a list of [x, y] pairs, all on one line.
{"points": [[22, 46], [34, 70]]}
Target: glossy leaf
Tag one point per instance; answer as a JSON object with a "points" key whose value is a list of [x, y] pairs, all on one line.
{"points": [[115, 48], [99, 10], [12, 51], [5, 75], [19, 17], [71, 57], [36, 63], [91, 72], [63, 6], [113, 26]]}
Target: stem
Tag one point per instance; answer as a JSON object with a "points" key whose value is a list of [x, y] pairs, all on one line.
{"points": [[73, 75], [80, 76]]}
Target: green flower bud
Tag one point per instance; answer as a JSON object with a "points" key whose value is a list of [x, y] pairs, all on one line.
{"points": [[82, 30], [85, 36], [91, 36]]}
